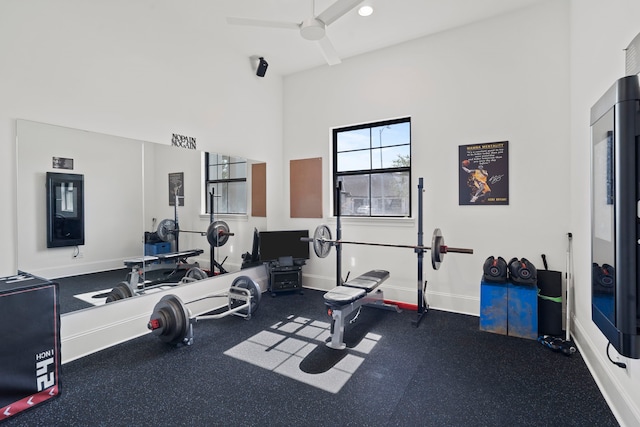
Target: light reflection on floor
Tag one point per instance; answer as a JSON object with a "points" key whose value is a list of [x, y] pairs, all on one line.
{"points": [[285, 346]]}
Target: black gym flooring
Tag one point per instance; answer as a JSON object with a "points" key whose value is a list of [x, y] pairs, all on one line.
{"points": [[446, 372]]}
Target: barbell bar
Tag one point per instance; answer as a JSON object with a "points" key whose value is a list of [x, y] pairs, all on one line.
{"points": [[217, 232], [322, 243]]}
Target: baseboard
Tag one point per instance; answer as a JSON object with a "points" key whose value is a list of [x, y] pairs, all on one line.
{"points": [[74, 269], [437, 300], [621, 403]]}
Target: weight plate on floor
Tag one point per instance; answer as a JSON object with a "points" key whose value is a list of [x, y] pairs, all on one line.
{"points": [[244, 282], [322, 241], [170, 320], [437, 252], [166, 230], [217, 233]]}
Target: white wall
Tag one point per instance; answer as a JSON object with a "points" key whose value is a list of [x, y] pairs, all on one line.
{"points": [[87, 65], [502, 79], [599, 33]]}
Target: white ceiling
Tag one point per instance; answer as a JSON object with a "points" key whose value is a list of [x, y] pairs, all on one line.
{"points": [[393, 22]]}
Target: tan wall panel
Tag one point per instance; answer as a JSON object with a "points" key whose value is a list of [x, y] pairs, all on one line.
{"points": [[306, 188], [259, 189]]}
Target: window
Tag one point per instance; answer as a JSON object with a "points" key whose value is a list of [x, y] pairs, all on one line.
{"points": [[373, 162], [226, 177]]}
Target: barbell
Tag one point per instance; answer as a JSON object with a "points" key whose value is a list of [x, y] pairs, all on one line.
{"points": [[217, 233], [171, 321], [322, 243]]}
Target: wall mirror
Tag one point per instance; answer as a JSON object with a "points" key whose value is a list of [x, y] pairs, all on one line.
{"points": [[127, 193]]}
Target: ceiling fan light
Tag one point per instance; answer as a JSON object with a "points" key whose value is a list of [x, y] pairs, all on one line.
{"points": [[365, 10]]}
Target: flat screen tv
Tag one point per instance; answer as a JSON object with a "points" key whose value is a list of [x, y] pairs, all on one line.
{"points": [[278, 244]]}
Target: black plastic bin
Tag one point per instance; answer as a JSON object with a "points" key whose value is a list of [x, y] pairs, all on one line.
{"points": [[550, 303]]}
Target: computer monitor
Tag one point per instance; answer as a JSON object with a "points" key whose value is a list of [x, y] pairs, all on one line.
{"points": [[279, 244]]}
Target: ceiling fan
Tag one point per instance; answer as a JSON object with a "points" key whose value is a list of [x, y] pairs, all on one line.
{"points": [[313, 28]]}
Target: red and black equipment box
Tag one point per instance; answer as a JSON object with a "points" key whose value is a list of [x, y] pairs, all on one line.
{"points": [[29, 343]]}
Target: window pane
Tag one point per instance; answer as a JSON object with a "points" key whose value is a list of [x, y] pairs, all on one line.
{"points": [[223, 171], [397, 157], [219, 201], [210, 188], [213, 159], [355, 197], [391, 157], [354, 140], [384, 136], [237, 170], [236, 197], [354, 161], [390, 194]]}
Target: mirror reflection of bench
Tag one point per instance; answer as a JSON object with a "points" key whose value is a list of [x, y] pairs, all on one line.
{"points": [[351, 296], [152, 271]]}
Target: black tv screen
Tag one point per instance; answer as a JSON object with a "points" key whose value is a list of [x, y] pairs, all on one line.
{"points": [[277, 244]]}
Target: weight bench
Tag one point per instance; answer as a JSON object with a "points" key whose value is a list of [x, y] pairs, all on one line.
{"points": [[352, 295]]}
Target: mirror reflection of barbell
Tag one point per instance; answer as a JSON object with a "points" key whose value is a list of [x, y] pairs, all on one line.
{"points": [[124, 290], [322, 243], [217, 233]]}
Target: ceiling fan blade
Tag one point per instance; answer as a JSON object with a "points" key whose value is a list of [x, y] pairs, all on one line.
{"points": [[262, 23], [328, 51], [337, 9]]}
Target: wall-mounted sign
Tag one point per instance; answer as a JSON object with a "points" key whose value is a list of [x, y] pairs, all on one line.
{"points": [[62, 163], [182, 141], [484, 174]]}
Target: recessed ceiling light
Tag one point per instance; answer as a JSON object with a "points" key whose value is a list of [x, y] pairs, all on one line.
{"points": [[365, 10]]}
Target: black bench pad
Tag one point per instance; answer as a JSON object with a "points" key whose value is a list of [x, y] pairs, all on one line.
{"points": [[343, 295], [355, 289], [369, 280]]}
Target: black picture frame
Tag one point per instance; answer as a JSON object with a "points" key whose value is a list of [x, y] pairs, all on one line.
{"points": [[176, 188], [483, 174], [65, 209]]}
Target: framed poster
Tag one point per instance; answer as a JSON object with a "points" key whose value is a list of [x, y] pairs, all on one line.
{"points": [[176, 188], [484, 174]]}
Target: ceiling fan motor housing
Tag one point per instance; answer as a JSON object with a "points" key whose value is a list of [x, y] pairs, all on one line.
{"points": [[312, 29]]}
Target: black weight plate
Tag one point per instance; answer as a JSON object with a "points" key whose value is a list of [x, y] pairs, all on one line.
{"points": [[217, 233], [436, 255], [245, 282], [166, 230], [120, 291], [195, 273], [173, 318]]}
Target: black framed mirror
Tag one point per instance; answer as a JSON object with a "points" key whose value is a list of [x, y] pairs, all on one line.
{"points": [[65, 209]]}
